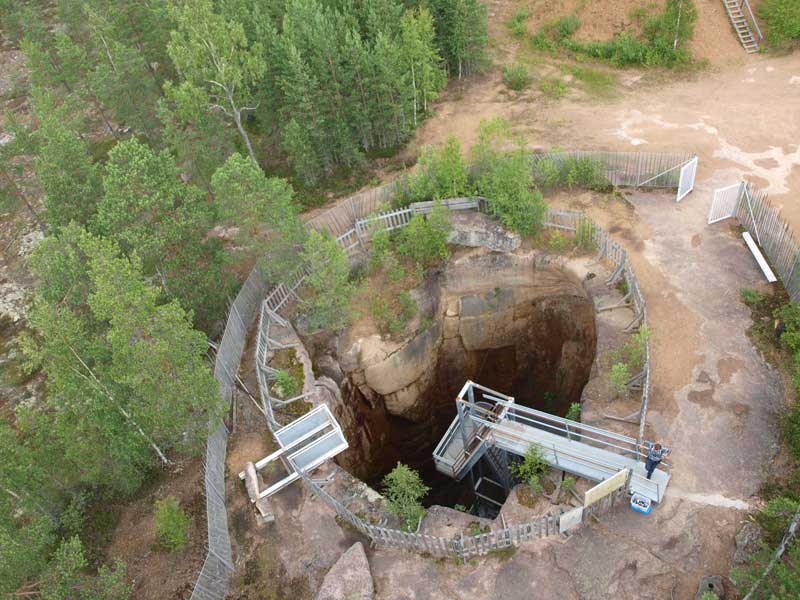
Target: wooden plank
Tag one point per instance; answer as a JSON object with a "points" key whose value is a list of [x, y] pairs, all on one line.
{"points": [[759, 257]]}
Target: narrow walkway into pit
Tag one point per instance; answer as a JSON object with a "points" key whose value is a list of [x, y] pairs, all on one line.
{"points": [[488, 419]]}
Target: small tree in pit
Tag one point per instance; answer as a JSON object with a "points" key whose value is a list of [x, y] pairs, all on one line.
{"points": [[404, 489], [530, 470]]}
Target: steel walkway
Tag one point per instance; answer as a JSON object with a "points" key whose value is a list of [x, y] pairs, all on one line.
{"points": [[305, 444], [487, 419]]}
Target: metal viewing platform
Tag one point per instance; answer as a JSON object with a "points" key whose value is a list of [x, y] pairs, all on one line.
{"points": [[488, 421]]}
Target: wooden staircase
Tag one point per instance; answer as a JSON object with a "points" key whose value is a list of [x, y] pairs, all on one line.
{"points": [[741, 25]]}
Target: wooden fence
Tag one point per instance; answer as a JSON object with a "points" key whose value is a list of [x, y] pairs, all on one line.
{"points": [[460, 546], [629, 169], [774, 235]]}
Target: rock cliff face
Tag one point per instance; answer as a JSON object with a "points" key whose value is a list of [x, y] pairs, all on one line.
{"points": [[520, 324]]}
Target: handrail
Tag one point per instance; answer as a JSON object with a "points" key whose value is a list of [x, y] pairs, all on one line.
{"points": [[753, 19]]}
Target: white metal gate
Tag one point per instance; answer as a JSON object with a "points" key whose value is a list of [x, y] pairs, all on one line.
{"points": [[725, 203], [686, 183]]}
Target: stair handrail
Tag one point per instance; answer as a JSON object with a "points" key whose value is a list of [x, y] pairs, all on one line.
{"points": [[753, 18]]}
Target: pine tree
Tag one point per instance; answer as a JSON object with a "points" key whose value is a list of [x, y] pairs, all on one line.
{"points": [[68, 176], [462, 33], [264, 211], [147, 209]]}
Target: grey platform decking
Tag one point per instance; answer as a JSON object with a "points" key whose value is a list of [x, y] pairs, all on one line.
{"points": [[571, 446]]}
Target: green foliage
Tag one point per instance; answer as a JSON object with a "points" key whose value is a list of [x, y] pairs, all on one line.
{"points": [[751, 297], [531, 469], [775, 517], [571, 172], [380, 250], [328, 283], [403, 489], [441, 173], [516, 24], [568, 484], [789, 314], [596, 81], [553, 87], [565, 27], [574, 412], [123, 369], [212, 51], [557, 241], [506, 181], [25, 539], [148, 210], [516, 76], [783, 21], [424, 240], [69, 178], [783, 581], [393, 321], [620, 375], [584, 235], [287, 384], [172, 524], [264, 211], [663, 41], [64, 578], [462, 34]]}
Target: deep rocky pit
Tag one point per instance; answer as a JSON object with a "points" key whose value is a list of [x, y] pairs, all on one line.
{"points": [[518, 324]]}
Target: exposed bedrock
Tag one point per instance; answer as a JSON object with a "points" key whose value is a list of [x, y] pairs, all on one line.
{"points": [[518, 323]]}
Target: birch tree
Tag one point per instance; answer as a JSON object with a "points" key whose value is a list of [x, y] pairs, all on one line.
{"points": [[421, 59], [211, 51]]}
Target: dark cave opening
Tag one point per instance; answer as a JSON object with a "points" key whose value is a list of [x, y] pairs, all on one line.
{"points": [[545, 367]]}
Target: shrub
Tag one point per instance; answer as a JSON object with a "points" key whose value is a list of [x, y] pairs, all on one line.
{"points": [[403, 489], [571, 172], [516, 24], [783, 21], [287, 384], [584, 235], [380, 250], [171, 524], [508, 184], [558, 241], [574, 412], [516, 76], [424, 240], [393, 321], [775, 517], [530, 470], [441, 173], [328, 283], [751, 297], [620, 375]]}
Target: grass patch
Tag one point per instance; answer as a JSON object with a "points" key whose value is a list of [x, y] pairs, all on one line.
{"points": [[595, 81], [553, 88], [516, 24]]}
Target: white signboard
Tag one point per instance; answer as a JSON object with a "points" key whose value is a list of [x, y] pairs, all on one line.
{"points": [[570, 519], [604, 488]]}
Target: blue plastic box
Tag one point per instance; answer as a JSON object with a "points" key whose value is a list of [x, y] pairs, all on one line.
{"points": [[641, 504]]}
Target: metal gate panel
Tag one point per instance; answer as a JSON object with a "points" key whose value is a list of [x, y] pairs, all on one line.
{"points": [[686, 183], [725, 203]]}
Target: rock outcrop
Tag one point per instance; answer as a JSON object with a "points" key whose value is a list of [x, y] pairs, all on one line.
{"points": [[349, 578]]}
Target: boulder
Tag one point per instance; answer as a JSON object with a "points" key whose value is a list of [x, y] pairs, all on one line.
{"points": [[349, 578], [476, 230]]}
